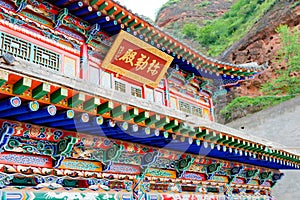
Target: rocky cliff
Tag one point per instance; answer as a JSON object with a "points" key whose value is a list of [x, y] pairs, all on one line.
{"points": [[259, 45], [196, 11], [175, 13]]}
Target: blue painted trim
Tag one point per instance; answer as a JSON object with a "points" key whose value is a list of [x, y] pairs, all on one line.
{"points": [[44, 112], [12, 102], [23, 109], [65, 115]]}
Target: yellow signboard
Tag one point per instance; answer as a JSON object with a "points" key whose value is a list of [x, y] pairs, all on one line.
{"points": [[135, 59]]}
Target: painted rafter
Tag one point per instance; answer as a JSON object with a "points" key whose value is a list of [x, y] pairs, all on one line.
{"points": [[84, 143], [226, 140], [208, 135], [105, 145], [61, 93]]}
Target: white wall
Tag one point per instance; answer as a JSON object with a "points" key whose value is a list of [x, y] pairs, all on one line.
{"points": [[280, 124]]}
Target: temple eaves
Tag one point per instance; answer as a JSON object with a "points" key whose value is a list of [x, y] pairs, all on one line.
{"points": [[188, 59]]}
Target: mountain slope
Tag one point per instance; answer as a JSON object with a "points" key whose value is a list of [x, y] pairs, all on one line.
{"points": [[175, 13], [260, 44]]}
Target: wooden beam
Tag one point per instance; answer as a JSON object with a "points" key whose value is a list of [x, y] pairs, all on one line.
{"points": [[105, 107], [210, 135], [58, 95], [131, 114], [125, 19], [162, 122], [138, 26], [102, 6], [132, 22], [151, 120], [120, 110], [201, 132], [217, 137], [171, 125], [191, 132], [228, 141], [22, 85], [111, 10], [91, 104], [41, 90], [221, 139], [93, 2], [119, 15], [141, 117], [181, 126], [76, 100]]}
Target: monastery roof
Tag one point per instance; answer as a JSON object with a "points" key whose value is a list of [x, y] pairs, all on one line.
{"points": [[158, 125], [188, 59]]}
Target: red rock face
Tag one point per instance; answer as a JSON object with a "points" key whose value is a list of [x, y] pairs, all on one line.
{"points": [[261, 45], [196, 11], [191, 11]]}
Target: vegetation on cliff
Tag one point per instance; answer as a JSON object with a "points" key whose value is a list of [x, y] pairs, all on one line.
{"points": [[250, 25], [168, 4], [219, 34], [288, 81], [285, 86]]}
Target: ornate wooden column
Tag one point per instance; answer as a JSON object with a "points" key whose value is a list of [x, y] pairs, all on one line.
{"points": [[84, 64]]}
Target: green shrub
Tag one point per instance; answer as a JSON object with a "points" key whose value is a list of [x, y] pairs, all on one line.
{"points": [[190, 30]]}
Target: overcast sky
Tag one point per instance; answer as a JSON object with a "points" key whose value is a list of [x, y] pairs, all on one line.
{"points": [[143, 7]]}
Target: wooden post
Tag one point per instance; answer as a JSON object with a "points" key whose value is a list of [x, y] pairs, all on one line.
{"points": [[84, 64], [167, 94], [212, 114]]}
